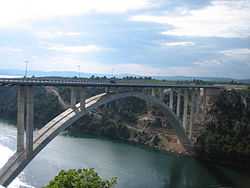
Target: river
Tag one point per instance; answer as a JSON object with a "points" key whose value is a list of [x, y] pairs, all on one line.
{"points": [[135, 167]]}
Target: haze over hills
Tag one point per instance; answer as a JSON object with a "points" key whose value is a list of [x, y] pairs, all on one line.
{"points": [[20, 73]]}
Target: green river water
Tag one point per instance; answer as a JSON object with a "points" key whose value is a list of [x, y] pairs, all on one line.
{"points": [[135, 167]]}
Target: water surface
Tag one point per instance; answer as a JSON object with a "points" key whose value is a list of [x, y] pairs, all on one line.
{"points": [[135, 167]]}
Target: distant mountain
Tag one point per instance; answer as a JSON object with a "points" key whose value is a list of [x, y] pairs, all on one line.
{"points": [[20, 73], [12, 72], [245, 81], [182, 78]]}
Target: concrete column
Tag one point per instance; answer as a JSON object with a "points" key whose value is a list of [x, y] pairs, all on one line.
{"points": [[161, 94], [73, 96], [185, 110], [106, 89], [153, 92], [178, 106], [204, 100], [20, 118], [171, 99], [82, 98], [198, 101], [193, 100], [29, 119]]}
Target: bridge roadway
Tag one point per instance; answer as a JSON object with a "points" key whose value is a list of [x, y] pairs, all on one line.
{"points": [[95, 83]]}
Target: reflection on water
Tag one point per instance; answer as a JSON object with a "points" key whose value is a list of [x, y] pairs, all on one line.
{"points": [[135, 167]]}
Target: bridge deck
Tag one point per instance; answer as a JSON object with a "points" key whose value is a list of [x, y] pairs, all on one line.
{"points": [[95, 83]]}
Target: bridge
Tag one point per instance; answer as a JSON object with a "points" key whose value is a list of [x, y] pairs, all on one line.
{"points": [[184, 103]]}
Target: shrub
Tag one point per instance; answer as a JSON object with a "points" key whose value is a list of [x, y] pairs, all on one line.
{"points": [[82, 178]]}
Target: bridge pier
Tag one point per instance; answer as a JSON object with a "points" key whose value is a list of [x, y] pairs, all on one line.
{"points": [[82, 98], [192, 110], [178, 105], [153, 92], [73, 97], [204, 99], [29, 119], [185, 110], [171, 99], [20, 118], [25, 118], [106, 90], [198, 102], [161, 94]]}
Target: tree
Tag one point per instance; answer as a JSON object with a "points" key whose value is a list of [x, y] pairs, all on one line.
{"points": [[227, 127], [82, 178]]}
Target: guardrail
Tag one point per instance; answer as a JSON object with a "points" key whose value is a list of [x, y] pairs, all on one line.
{"points": [[95, 83]]}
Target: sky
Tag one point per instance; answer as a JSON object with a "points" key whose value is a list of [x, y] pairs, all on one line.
{"points": [[143, 37]]}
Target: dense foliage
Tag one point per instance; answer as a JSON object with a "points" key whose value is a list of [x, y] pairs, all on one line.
{"points": [[227, 134], [112, 120], [82, 178], [8, 103], [46, 106]]}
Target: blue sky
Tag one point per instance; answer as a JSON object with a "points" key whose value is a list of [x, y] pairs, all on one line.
{"points": [[146, 37]]}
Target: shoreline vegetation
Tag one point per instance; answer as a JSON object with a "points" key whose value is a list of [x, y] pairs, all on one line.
{"points": [[225, 138], [80, 178]]}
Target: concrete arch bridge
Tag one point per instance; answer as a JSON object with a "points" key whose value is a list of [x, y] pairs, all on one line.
{"points": [[183, 104]]}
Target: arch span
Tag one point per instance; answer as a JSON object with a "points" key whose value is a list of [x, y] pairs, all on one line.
{"points": [[61, 122]]}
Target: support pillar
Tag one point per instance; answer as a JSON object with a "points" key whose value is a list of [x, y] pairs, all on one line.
{"points": [[198, 101], [153, 92], [171, 99], [82, 98], [29, 119], [161, 94], [106, 89], [73, 97], [204, 100], [144, 91], [178, 106], [20, 118], [193, 98], [185, 110]]}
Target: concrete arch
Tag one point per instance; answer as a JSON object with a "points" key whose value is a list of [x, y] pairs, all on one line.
{"points": [[173, 119], [20, 159]]}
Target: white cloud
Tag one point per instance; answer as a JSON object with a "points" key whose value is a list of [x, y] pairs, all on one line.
{"points": [[75, 49], [220, 19], [6, 49], [209, 63], [71, 61], [237, 52], [17, 12], [56, 34], [180, 43]]}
